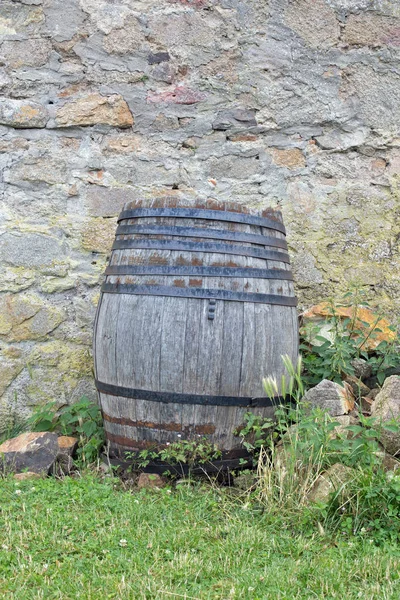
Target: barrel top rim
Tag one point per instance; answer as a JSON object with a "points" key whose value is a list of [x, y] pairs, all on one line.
{"points": [[207, 204]]}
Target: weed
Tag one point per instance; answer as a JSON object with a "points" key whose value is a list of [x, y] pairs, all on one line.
{"points": [[290, 385], [329, 348], [82, 419], [184, 452], [368, 506], [255, 432]]}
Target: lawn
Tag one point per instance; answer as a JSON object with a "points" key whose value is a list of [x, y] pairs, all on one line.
{"points": [[90, 539]]}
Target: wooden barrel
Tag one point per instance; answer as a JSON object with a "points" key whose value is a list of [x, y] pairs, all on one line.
{"points": [[197, 307]]}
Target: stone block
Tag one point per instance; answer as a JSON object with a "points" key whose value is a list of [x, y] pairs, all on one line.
{"points": [[158, 57], [314, 21], [122, 144], [184, 29], [292, 158], [26, 476], [63, 19], [386, 410], [163, 72], [95, 109], [150, 481], [30, 250], [98, 235], [67, 444], [377, 93], [371, 29], [22, 114], [335, 399], [108, 202], [16, 279], [25, 53], [13, 145], [237, 118], [126, 39], [54, 285], [34, 452], [65, 357], [9, 370], [332, 481], [42, 170], [19, 20], [27, 317], [179, 95], [235, 167]]}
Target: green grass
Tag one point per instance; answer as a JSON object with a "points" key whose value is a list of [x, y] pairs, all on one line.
{"points": [[83, 538]]}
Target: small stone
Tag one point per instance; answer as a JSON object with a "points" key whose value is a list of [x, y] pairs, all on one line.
{"points": [[63, 465], [67, 444], [335, 478], [238, 118], [27, 475], [191, 143], [332, 397], [359, 388], [150, 481], [386, 410], [373, 394], [22, 114], [366, 404], [292, 158], [243, 137], [122, 144], [388, 462], [158, 57], [105, 468], [362, 370], [245, 481], [163, 72], [179, 95], [95, 109], [341, 430], [35, 452]]}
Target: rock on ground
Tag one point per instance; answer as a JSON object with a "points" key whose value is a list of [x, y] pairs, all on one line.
{"points": [[386, 409], [332, 480], [362, 370], [26, 475], [332, 397], [150, 481], [32, 451], [67, 444]]}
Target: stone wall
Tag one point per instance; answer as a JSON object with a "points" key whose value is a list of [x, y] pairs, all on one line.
{"points": [[288, 102]]}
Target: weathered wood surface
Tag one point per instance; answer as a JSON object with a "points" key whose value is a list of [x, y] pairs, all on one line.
{"points": [[168, 344]]}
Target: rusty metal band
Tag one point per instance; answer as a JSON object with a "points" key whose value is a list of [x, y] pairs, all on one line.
{"points": [[216, 234], [191, 270], [178, 398], [198, 213], [205, 247], [194, 292]]}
